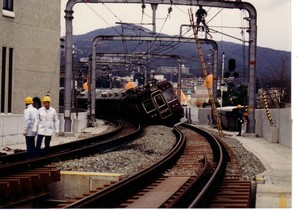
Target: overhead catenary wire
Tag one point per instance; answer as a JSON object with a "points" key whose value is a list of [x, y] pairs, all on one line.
{"points": [[167, 48], [102, 18], [152, 43], [172, 45]]}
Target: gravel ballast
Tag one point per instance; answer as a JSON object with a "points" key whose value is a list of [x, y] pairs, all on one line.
{"points": [[152, 147]]}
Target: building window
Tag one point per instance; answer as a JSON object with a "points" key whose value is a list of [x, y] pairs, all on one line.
{"points": [[10, 62], [2, 104], [6, 81], [8, 5]]}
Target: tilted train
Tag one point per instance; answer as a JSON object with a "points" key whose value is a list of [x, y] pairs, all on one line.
{"points": [[154, 103]]}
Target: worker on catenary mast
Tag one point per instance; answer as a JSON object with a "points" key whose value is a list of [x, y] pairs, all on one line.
{"points": [[48, 123], [201, 14], [30, 120]]}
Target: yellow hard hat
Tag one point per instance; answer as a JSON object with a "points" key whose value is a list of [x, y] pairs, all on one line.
{"points": [[130, 85], [239, 106], [46, 99], [28, 100]]}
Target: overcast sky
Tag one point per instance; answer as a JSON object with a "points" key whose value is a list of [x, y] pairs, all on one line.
{"points": [[273, 20]]}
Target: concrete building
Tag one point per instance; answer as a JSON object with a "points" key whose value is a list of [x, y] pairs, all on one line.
{"points": [[30, 51], [29, 59], [173, 70]]}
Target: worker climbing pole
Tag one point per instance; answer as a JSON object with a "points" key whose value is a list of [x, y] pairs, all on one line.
{"points": [[264, 98], [203, 66]]}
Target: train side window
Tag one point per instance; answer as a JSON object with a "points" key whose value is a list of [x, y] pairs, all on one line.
{"points": [[169, 95], [148, 105], [159, 100], [137, 108]]}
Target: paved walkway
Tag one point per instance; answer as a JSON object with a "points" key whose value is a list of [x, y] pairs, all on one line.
{"points": [[274, 189]]}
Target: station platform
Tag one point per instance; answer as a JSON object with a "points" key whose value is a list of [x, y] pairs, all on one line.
{"points": [[274, 185]]}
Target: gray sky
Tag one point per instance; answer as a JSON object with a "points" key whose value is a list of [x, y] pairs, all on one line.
{"points": [[273, 20]]}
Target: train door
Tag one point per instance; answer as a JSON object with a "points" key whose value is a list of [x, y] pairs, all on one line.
{"points": [[161, 105]]}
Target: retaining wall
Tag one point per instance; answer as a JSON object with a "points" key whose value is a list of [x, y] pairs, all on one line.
{"points": [[12, 126], [280, 132]]}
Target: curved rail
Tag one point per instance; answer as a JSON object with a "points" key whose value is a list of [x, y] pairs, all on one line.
{"points": [[220, 158], [25, 182], [21, 156], [197, 192], [186, 196], [73, 149], [224, 188], [119, 191]]}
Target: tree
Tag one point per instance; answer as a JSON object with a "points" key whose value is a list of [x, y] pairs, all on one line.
{"points": [[278, 85]]}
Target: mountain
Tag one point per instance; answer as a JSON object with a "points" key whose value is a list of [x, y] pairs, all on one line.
{"points": [[269, 61]]}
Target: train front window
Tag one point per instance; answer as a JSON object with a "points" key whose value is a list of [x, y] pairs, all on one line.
{"points": [[169, 95], [159, 100], [148, 105]]}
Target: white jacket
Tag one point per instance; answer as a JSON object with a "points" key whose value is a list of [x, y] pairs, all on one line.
{"points": [[30, 120], [47, 121]]}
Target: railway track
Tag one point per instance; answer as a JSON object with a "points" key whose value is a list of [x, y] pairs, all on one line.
{"points": [[224, 188], [21, 155], [200, 171], [24, 182]]}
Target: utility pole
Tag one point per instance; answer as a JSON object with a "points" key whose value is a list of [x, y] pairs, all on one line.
{"points": [[222, 75], [154, 8]]}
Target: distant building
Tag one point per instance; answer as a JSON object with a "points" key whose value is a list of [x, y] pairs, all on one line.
{"points": [[194, 90], [30, 52], [173, 70]]}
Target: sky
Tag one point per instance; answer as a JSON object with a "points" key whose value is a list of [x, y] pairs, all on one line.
{"points": [[273, 20]]}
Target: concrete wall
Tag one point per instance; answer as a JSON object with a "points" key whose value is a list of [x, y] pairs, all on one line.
{"points": [[12, 126], [78, 123], [280, 133], [32, 30], [282, 125], [73, 184]]}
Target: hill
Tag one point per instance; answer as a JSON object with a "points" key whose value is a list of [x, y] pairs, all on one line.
{"points": [[269, 61]]}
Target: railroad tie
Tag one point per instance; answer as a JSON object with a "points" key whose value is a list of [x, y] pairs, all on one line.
{"points": [[15, 186], [5, 191]]}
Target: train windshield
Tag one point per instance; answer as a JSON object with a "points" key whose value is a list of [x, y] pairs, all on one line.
{"points": [[148, 105], [169, 95], [159, 100]]}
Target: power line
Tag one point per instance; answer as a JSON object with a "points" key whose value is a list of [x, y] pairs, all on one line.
{"points": [[102, 18]]}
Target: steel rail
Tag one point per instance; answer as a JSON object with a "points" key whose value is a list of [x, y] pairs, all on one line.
{"points": [[21, 156], [108, 196], [71, 152], [219, 157]]}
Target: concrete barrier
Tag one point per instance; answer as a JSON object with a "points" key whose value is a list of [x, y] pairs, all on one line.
{"points": [[12, 125], [73, 184], [280, 132], [11, 129]]}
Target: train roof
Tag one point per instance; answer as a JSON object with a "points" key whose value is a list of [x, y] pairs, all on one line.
{"points": [[132, 93]]}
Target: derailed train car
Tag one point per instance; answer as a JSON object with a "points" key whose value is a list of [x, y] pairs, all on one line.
{"points": [[155, 103]]}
